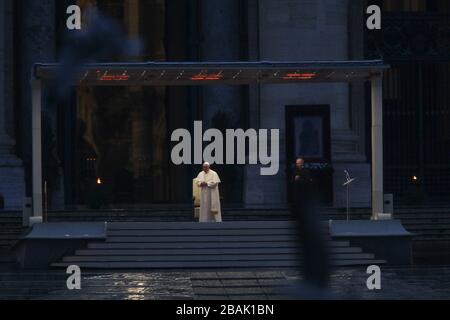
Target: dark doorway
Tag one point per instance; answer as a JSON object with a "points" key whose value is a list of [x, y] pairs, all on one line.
{"points": [[121, 143]]}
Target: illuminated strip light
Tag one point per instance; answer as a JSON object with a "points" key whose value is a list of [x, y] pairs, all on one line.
{"points": [[122, 77], [207, 77], [299, 76]]}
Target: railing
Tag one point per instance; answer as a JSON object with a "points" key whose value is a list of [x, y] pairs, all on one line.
{"points": [[417, 138], [410, 36]]}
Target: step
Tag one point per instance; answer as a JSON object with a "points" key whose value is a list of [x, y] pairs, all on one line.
{"points": [[439, 233], [421, 216], [192, 229], [126, 219], [209, 237], [436, 226], [424, 210], [13, 224], [431, 237], [7, 242], [237, 238], [9, 236], [206, 245], [11, 215], [236, 244], [123, 214], [189, 251], [241, 225], [211, 264], [185, 233], [15, 233], [7, 259], [11, 228], [205, 232], [209, 258]]}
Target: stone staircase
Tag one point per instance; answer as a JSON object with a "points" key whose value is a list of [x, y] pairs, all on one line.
{"points": [[430, 224], [10, 232], [178, 245], [432, 229], [184, 213], [10, 229], [166, 214], [7, 260]]}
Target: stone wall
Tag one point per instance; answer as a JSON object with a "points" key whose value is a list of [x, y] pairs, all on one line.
{"points": [[12, 186], [311, 30], [37, 33], [277, 29]]}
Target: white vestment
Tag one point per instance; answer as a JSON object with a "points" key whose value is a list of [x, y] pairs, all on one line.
{"points": [[210, 209]]}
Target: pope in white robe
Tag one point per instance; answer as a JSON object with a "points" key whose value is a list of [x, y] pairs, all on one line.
{"points": [[208, 181]]}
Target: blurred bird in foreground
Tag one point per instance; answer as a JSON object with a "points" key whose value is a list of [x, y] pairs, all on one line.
{"points": [[314, 256]]}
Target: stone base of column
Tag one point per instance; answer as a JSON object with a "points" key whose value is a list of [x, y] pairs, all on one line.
{"points": [[346, 147], [6, 157], [12, 186], [12, 176]]}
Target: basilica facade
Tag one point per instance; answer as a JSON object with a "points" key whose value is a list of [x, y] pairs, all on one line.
{"points": [[119, 137]]}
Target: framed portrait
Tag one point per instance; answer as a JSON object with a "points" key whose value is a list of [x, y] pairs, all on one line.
{"points": [[309, 137], [308, 133]]}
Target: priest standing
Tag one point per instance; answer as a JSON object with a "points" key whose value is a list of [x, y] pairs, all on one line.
{"points": [[208, 181]]}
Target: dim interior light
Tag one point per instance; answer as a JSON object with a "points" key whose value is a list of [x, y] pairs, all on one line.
{"points": [[299, 76], [415, 178], [99, 181], [207, 77], [121, 77]]}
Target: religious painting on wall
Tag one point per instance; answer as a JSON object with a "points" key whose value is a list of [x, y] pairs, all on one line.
{"points": [[309, 137], [308, 133]]}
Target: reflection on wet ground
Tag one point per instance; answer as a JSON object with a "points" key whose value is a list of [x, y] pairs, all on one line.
{"points": [[346, 283]]}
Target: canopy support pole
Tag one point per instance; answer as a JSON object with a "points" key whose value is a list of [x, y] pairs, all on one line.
{"points": [[377, 146], [36, 86]]}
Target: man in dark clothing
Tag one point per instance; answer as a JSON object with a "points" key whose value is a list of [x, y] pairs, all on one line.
{"points": [[303, 185], [315, 257]]}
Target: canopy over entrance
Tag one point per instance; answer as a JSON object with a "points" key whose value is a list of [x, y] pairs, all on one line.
{"points": [[209, 73], [215, 73]]}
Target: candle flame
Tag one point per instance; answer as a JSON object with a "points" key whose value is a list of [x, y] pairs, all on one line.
{"points": [[99, 181]]}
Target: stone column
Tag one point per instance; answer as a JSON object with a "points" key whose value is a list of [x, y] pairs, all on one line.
{"points": [[36, 114], [36, 29], [12, 185], [349, 150], [377, 146], [253, 197], [6, 79]]}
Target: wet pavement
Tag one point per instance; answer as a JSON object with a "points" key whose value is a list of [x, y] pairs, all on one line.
{"points": [[346, 283]]}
